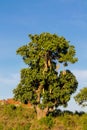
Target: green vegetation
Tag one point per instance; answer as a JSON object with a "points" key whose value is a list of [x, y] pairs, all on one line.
{"points": [[42, 83], [81, 97], [15, 118], [45, 87], [20, 118]]}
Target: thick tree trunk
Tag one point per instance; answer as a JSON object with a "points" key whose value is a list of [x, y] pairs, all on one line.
{"points": [[41, 113], [38, 92]]}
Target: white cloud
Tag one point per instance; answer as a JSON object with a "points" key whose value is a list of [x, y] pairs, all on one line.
{"points": [[7, 84], [73, 106], [12, 79], [81, 76]]}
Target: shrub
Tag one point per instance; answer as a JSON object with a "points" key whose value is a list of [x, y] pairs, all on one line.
{"points": [[84, 122], [48, 121]]}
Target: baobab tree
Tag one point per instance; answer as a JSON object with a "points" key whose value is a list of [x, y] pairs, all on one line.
{"points": [[42, 83]]}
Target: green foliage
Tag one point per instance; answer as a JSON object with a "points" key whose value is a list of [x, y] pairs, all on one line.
{"points": [[41, 84], [48, 121], [67, 86], [1, 126], [25, 119], [59, 48], [81, 97], [84, 122], [10, 110], [16, 119]]}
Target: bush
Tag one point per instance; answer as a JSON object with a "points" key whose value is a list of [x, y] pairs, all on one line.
{"points": [[48, 121], [1, 126], [84, 122]]}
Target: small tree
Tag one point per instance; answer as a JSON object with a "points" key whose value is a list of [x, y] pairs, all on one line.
{"points": [[81, 97], [42, 84]]}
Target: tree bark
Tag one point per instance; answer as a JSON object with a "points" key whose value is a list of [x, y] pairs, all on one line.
{"points": [[47, 62], [41, 112], [38, 92]]}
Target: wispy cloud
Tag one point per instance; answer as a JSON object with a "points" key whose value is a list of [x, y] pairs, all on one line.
{"points": [[7, 84], [81, 76], [12, 79]]}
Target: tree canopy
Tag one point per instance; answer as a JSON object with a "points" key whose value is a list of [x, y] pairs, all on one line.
{"points": [[81, 97], [42, 83]]}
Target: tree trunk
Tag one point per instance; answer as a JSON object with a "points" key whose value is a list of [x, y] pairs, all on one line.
{"points": [[47, 62], [38, 92], [41, 113]]}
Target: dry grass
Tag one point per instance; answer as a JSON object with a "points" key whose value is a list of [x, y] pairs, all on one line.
{"points": [[20, 118]]}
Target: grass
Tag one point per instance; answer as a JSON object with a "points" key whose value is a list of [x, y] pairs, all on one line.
{"points": [[20, 118]]}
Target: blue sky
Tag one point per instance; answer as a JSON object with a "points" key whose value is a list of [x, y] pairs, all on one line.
{"points": [[18, 18]]}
